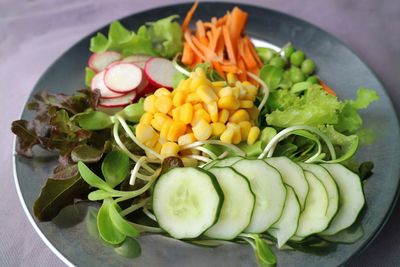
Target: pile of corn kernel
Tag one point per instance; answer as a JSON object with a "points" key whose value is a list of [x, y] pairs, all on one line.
{"points": [[198, 110]]}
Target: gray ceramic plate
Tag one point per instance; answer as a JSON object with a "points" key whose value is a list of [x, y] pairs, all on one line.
{"points": [[68, 235]]}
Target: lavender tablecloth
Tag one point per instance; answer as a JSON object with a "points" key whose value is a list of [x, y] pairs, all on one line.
{"points": [[35, 32]]}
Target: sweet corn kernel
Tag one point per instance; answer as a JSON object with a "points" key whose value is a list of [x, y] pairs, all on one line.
{"points": [[186, 139], [227, 136], [223, 116], [153, 141], [217, 128], [239, 115], [237, 136], [179, 98], [200, 114], [146, 118], [165, 129], [200, 72], [236, 92], [198, 106], [196, 82], [193, 98], [189, 162], [187, 152], [212, 109], [228, 102], [163, 103], [176, 129], [251, 90], [249, 97], [218, 84], [144, 132], [159, 120], [206, 93], [169, 149], [231, 78], [149, 104], [253, 113], [202, 130], [226, 91], [180, 85], [162, 91], [157, 147], [245, 127], [185, 113], [253, 135], [246, 104]]}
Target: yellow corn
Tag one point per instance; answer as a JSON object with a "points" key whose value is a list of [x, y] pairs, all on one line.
{"points": [[251, 89], [228, 102], [223, 116], [245, 127], [200, 72], [157, 147], [236, 92], [206, 94], [253, 113], [246, 104], [198, 106], [176, 129], [231, 78], [179, 98], [149, 104], [253, 135], [226, 91], [162, 91], [146, 118], [153, 141], [169, 149], [217, 128], [186, 139], [227, 136], [180, 86], [237, 136], [144, 132], [165, 129], [191, 151], [189, 162], [193, 98], [185, 113], [198, 81], [239, 115], [218, 84], [159, 120], [202, 130], [249, 97], [200, 114], [163, 103], [212, 109]]}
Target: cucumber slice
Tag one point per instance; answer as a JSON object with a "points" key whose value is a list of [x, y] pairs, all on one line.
{"points": [[238, 204], [292, 175], [227, 162], [187, 201], [330, 185], [313, 219], [286, 226], [270, 192], [351, 197]]}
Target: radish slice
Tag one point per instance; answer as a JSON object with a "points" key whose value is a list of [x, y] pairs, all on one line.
{"points": [[118, 101], [99, 61], [142, 87], [123, 77], [98, 83], [136, 58], [159, 71]]}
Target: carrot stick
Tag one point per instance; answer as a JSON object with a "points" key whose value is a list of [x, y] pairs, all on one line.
{"points": [[188, 39], [187, 55], [230, 68], [248, 56], [228, 43], [253, 51], [208, 53], [189, 16], [242, 72], [214, 40], [327, 88], [218, 68]]}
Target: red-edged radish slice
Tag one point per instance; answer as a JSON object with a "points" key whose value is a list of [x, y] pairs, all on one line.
{"points": [[123, 77], [159, 71], [98, 83], [117, 101], [142, 87], [136, 58], [100, 61]]}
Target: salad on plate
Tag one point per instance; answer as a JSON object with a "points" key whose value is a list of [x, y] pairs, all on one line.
{"points": [[192, 131]]}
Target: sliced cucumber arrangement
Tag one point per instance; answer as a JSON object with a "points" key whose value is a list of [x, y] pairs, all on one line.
{"points": [[293, 175], [187, 201], [267, 185], [238, 204], [351, 197], [254, 196]]}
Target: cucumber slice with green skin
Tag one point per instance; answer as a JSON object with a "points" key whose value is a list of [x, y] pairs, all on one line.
{"points": [[227, 162], [286, 226], [351, 197], [329, 184], [238, 204], [292, 175], [187, 201], [210, 164], [313, 219], [266, 184]]}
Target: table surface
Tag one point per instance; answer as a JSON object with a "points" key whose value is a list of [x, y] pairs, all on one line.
{"points": [[35, 33]]}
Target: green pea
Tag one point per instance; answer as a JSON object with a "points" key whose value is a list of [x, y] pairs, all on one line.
{"points": [[313, 79], [288, 50], [308, 66], [296, 58], [296, 75], [278, 62]]}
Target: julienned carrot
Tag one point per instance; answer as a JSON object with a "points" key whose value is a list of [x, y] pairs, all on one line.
{"points": [[189, 16], [221, 42], [327, 88]]}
